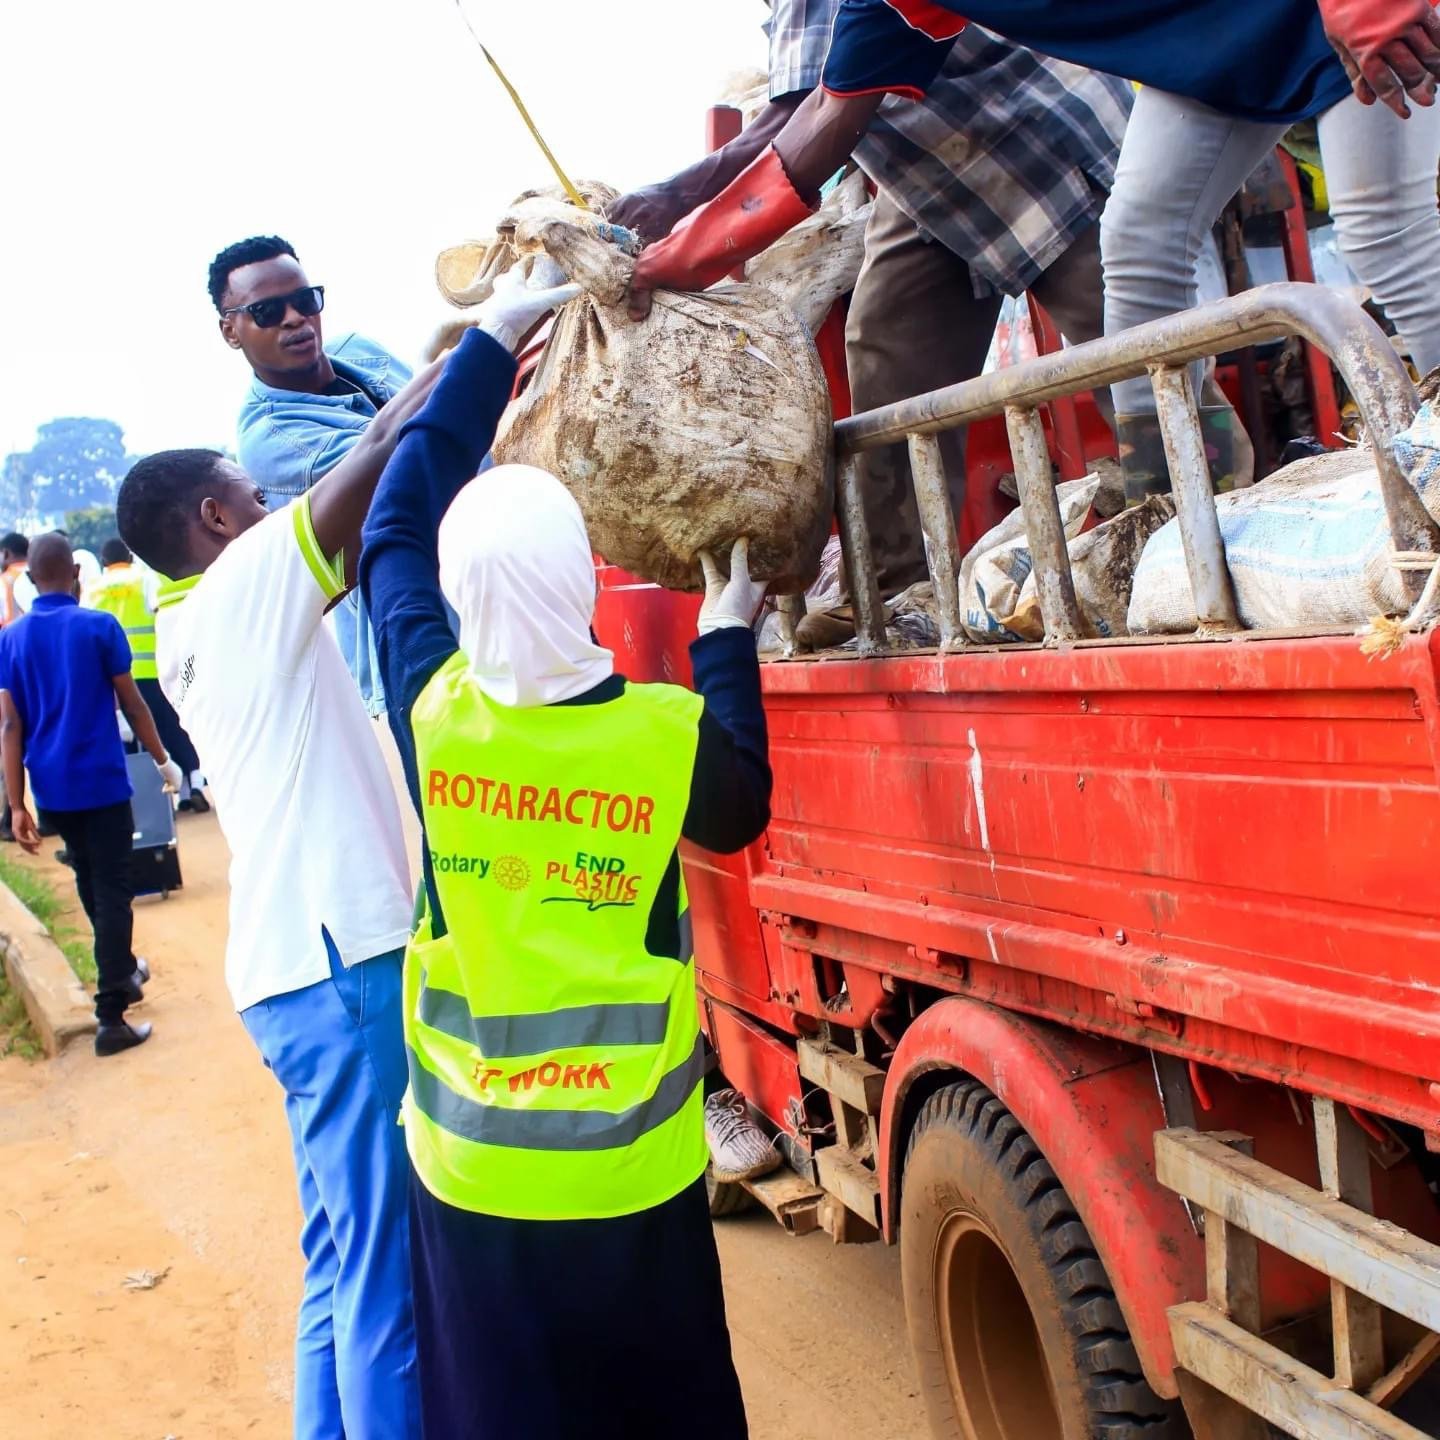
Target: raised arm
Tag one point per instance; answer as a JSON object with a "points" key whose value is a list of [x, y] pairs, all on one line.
{"points": [[340, 501], [653, 211], [440, 449], [730, 790]]}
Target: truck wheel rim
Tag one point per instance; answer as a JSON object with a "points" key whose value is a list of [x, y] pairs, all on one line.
{"points": [[999, 1381]]}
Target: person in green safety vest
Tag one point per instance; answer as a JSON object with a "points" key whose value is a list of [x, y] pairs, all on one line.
{"points": [[123, 590], [565, 1274]]}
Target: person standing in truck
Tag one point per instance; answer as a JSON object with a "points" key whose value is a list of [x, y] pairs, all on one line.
{"points": [[1221, 84], [992, 185], [308, 402], [554, 1117]]}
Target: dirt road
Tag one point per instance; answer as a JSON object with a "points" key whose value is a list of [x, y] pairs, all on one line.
{"points": [[174, 1160]]}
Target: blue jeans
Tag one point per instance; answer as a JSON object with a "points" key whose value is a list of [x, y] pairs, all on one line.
{"points": [[1182, 161], [337, 1050]]}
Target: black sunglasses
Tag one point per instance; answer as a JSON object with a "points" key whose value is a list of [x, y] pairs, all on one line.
{"points": [[269, 313]]}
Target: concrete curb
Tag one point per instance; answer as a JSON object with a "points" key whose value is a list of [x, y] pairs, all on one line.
{"points": [[56, 1002]]}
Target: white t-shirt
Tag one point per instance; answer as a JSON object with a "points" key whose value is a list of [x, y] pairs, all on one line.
{"points": [[294, 766]]}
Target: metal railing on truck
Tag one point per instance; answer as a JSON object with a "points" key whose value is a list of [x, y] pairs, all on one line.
{"points": [[1367, 361]]}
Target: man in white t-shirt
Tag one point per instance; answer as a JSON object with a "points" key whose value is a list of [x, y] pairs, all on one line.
{"points": [[318, 876], [318, 882]]}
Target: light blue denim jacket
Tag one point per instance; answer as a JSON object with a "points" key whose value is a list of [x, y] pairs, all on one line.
{"points": [[289, 439]]}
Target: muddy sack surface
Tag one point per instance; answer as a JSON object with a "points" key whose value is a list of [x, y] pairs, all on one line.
{"points": [[705, 422]]}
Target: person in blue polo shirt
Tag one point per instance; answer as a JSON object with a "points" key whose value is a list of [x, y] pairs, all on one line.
{"points": [[1221, 83], [62, 670]]}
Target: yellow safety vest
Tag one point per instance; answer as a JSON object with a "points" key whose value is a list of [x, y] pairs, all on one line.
{"points": [[121, 592], [555, 1063]]}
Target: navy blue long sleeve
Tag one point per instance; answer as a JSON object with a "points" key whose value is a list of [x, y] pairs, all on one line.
{"points": [[730, 789], [440, 449]]}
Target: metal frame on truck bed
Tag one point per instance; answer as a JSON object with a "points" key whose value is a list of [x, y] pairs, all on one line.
{"points": [[1021, 907]]}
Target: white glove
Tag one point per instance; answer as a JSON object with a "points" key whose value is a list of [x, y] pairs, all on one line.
{"points": [[732, 603], [514, 308], [171, 774]]}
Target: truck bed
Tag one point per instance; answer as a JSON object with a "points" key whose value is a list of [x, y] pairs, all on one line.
{"points": [[1224, 850]]}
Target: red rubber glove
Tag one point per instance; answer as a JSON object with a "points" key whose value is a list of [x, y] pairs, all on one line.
{"points": [[1389, 48], [757, 207]]}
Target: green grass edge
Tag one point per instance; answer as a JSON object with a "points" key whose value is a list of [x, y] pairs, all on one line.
{"points": [[38, 896]]}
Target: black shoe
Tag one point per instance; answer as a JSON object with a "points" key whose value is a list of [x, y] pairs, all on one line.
{"points": [[142, 969], [198, 803], [134, 991], [112, 1039], [63, 856]]}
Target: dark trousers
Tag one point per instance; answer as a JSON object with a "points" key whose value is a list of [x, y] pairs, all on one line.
{"points": [[167, 722], [100, 843], [559, 1329], [916, 324]]}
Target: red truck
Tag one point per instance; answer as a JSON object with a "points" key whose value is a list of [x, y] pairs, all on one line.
{"points": [[1103, 977]]}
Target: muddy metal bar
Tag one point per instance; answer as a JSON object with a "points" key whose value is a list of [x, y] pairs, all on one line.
{"points": [[1044, 527], [1372, 370], [859, 557], [937, 523], [1194, 502]]}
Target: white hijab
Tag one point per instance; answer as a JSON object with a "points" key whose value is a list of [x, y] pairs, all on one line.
{"points": [[516, 565]]}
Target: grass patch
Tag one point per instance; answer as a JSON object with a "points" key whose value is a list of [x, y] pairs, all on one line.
{"points": [[17, 1035], [38, 896]]}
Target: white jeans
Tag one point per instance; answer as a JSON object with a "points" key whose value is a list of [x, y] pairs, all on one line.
{"points": [[1182, 161]]}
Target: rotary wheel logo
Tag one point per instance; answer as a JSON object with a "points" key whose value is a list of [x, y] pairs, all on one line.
{"points": [[511, 872]]}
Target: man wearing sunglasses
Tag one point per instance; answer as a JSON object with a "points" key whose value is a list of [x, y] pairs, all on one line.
{"points": [[307, 404]]}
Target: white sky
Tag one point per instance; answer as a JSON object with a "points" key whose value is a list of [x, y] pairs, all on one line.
{"points": [[138, 138]]}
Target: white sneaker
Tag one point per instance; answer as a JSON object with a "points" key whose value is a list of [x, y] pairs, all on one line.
{"points": [[739, 1148]]}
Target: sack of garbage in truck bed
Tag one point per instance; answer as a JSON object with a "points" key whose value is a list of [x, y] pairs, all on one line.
{"points": [[705, 422], [1310, 545], [1102, 566], [995, 572]]}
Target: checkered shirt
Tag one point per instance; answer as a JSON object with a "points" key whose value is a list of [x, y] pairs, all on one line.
{"points": [[1008, 158]]}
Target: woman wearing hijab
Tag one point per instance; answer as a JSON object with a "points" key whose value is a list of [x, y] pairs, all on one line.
{"points": [[566, 1278]]}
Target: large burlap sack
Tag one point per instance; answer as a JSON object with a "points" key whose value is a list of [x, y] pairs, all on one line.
{"points": [[1308, 546], [708, 421], [813, 265], [994, 571]]}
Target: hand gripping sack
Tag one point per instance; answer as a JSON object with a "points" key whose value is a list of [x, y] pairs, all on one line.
{"points": [[708, 421]]}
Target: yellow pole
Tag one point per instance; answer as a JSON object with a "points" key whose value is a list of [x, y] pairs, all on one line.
{"points": [[566, 183]]}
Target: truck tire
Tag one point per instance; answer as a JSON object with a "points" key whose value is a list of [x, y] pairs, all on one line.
{"points": [[1014, 1323], [726, 1196]]}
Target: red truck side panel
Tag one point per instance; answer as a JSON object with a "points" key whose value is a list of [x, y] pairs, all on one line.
{"points": [[1222, 850]]}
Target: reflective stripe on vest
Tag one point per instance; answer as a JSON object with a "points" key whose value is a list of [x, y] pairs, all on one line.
{"points": [[121, 593], [555, 1063]]}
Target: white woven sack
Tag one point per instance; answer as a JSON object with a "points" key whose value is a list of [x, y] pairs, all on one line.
{"points": [[1308, 546]]}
